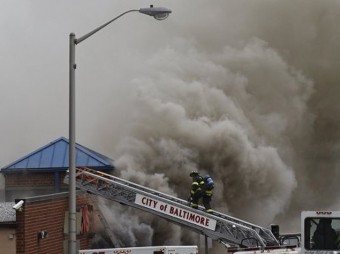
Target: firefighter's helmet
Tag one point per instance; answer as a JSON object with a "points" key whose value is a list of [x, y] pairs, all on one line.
{"points": [[194, 174]]}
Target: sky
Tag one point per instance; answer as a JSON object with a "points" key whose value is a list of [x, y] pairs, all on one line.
{"points": [[246, 91]]}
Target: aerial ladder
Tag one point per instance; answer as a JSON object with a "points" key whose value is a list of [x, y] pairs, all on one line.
{"points": [[116, 242], [220, 227]]}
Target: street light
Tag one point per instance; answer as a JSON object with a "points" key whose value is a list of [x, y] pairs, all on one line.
{"points": [[158, 13]]}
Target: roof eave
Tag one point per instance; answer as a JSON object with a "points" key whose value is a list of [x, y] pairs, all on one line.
{"points": [[49, 170]]}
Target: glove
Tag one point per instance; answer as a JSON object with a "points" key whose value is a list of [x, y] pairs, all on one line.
{"points": [[189, 201]]}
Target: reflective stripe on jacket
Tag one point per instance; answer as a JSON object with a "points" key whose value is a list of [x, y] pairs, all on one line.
{"points": [[208, 192], [196, 186]]}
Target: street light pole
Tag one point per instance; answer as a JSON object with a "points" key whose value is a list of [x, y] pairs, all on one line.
{"points": [[72, 150], [158, 13]]}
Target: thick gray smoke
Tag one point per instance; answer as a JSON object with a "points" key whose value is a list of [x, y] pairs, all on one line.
{"points": [[246, 91], [247, 94]]}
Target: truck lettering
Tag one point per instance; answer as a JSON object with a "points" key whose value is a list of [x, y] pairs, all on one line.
{"points": [[189, 216], [323, 213], [176, 212], [149, 202]]}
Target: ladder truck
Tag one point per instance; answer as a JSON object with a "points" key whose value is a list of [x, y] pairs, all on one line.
{"points": [[320, 230], [223, 228]]}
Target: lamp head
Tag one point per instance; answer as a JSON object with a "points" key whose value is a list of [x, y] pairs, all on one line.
{"points": [[158, 13]]}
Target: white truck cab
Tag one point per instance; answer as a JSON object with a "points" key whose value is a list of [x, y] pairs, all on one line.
{"points": [[320, 234]]}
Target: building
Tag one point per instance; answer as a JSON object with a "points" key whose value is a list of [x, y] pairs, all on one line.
{"points": [[40, 225], [42, 171]]}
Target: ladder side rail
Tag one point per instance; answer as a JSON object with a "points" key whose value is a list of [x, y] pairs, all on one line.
{"points": [[263, 232], [248, 224], [239, 232], [103, 176], [125, 194], [130, 192], [117, 180], [116, 243], [269, 237]]}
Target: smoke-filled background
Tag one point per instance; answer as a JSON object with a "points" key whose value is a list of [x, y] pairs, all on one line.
{"points": [[246, 91]]}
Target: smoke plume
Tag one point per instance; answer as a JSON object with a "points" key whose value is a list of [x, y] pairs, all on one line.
{"points": [[249, 98]]}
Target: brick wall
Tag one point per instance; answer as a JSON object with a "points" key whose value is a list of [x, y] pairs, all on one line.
{"points": [[42, 179], [46, 213], [27, 184]]}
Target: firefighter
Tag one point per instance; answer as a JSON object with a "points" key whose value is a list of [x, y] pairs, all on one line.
{"points": [[196, 188], [199, 190]]}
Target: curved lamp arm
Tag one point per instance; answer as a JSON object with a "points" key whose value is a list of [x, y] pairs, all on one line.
{"points": [[158, 13], [84, 37]]}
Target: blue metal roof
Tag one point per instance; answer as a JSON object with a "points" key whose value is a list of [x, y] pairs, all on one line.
{"points": [[55, 156]]}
